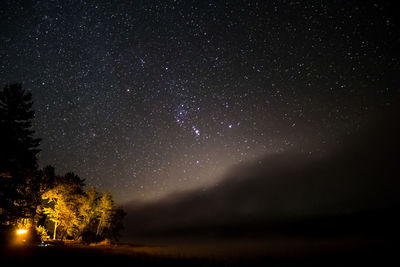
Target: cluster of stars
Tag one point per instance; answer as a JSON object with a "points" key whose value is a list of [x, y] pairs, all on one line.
{"points": [[144, 99]]}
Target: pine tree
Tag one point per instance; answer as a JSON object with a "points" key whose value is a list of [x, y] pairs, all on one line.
{"points": [[18, 161]]}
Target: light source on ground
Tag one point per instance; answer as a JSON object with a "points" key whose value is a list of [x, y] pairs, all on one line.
{"points": [[22, 231]]}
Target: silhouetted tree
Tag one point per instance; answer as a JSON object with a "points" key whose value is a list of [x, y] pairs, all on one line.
{"points": [[18, 162], [48, 178], [75, 183], [113, 231]]}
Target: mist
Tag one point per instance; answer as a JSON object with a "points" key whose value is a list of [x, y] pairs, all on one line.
{"points": [[354, 188]]}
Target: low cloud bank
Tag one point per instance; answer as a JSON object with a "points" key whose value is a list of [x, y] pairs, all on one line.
{"points": [[359, 178]]}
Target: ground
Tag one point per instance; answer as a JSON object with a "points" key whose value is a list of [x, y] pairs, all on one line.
{"points": [[276, 253]]}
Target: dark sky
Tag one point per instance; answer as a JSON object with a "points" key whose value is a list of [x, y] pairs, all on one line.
{"points": [[145, 98], [355, 188]]}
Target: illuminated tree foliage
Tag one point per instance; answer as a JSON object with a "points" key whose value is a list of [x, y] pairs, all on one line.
{"points": [[89, 211], [105, 209], [40, 199], [63, 206], [77, 214]]}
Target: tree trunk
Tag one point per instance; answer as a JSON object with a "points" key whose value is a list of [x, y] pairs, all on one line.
{"points": [[99, 226], [55, 230]]}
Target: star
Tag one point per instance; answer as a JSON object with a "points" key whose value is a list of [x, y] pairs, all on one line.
{"points": [[175, 85]]}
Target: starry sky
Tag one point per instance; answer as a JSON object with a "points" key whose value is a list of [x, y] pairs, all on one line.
{"points": [[146, 98]]}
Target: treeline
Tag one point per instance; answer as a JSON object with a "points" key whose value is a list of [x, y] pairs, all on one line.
{"points": [[75, 213], [54, 206]]}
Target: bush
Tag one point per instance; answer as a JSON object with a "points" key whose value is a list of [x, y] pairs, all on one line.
{"points": [[42, 233], [89, 237]]}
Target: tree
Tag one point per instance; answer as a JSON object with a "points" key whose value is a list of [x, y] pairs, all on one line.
{"points": [[63, 204], [18, 161], [105, 208], [53, 212], [30, 196], [89, 212], [113, 231], [47, 178], [110, 218], [62, 208], [75, 183], [78, 214]]}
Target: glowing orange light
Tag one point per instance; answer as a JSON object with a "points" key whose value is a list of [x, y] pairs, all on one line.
{"points": [[21, 231]]}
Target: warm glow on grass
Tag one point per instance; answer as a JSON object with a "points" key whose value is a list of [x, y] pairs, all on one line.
{"points": [[21, 231]]}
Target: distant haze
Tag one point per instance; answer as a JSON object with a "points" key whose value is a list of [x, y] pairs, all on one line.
{"points": [[360, 176]]}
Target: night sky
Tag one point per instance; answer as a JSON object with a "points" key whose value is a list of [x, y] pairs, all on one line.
{"points": [[145, 98]]}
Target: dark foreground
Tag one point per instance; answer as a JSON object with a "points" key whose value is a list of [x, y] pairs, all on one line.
{"points": [[275, 253]]}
